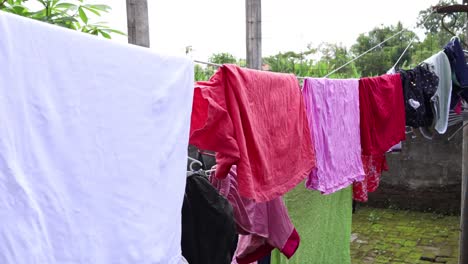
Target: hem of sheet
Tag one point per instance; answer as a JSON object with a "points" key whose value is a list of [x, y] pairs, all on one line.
{"points": [[288, 250], [338, 187], [273, 193], [441, 131], [292, 244], [258, 254]]}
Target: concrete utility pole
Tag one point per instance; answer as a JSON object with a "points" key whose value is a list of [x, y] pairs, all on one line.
{"points": [[464, 210], [253, 15], [450, 9], [138, 23]]}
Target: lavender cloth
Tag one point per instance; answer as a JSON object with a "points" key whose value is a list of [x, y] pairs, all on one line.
{"points": [[332, 108]]}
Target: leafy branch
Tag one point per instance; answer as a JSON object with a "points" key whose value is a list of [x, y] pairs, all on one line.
{"points": [[74, 14]]}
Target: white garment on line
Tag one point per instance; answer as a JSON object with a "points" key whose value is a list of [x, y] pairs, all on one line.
{"points": [[93, 147], [441, 99]]}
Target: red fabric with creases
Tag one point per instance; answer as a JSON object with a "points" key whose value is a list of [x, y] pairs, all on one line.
{"points": [[257, 120], [382, 111]]}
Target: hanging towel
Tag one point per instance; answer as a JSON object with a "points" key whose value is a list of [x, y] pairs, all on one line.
{"points": [[256, 120], [262, 226], [333, 113], [208, 229], [324, 222], [382, 112], [456, 56], [93, 147], [441, 99]]}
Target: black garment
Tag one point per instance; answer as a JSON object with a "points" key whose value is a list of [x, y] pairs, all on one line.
{"points": [[419, 86], [457, 60], [208, 228], [464, 94], [458, 93]]}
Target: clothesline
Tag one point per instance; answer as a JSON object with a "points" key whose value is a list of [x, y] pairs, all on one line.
{"points": [[357, 57], [208, 63], [219, 65], [378, 45]]}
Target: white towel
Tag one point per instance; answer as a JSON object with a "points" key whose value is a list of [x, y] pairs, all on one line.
{"points": [[93, 147]]}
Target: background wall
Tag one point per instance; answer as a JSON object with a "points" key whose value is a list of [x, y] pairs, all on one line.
{"points": [[425, 176]]}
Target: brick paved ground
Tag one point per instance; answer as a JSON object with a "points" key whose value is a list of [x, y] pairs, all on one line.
{"points": [[403, 237]]}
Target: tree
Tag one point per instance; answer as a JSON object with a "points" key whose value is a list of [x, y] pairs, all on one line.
{"points": [[200, 73], [72, 14], [223, 58], [292, 62], [433, 23], [426, 48], [385, 56], [334, 56], [330, 56], [204, 73]]}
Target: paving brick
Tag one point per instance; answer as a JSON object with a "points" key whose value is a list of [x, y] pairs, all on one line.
{"points": [[392, 236]]}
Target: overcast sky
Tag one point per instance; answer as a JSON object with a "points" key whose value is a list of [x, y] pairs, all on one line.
{"points": [[212, 26]]}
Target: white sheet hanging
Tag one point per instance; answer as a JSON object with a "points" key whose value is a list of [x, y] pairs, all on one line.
{"points": [[93, 145], [441, 99]]}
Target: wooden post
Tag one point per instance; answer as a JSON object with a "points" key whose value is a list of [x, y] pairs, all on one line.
{"points": [[254, 33], [138, 23], [464, 198]]}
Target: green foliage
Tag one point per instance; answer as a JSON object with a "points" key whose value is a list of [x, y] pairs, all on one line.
{"points": [[373, 217], [204, 73], [336, 55], [433, 23], [72, 14], [302, 64], [426, 48], [289, 62], [200, 73], [381, 59], [223, 58], [321, 60]]}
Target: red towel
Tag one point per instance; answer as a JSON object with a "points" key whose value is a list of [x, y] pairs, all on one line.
{"points": [[382, 111], [256, 120]]}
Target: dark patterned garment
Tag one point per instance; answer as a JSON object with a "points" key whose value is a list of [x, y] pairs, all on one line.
{"points": [[209, 234], [458, 94], [419, 86]]}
